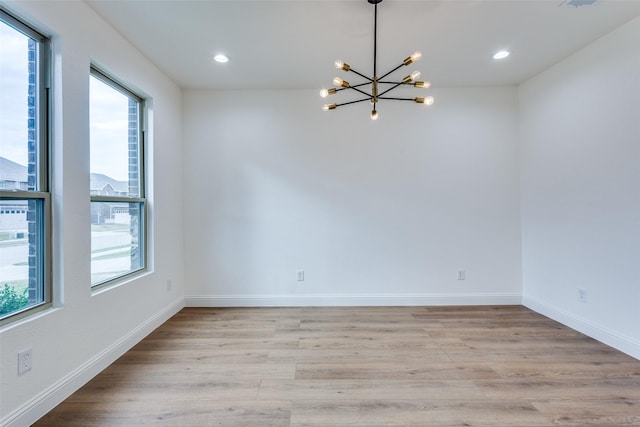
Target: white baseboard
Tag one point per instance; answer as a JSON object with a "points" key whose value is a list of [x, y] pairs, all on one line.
{"points": [[611, 338], [48, 399], [350, 300]]}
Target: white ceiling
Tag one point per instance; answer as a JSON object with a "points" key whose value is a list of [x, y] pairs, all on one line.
{"points": [[292, 44]]}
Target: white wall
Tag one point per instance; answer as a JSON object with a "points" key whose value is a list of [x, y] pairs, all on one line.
{"points": [[374, 212], [580, 168], [86, 331]]}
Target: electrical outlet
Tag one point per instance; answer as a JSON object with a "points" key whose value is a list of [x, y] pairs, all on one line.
{"points": [[24, 361], [462, 274], [582, 295], [300, 274]]}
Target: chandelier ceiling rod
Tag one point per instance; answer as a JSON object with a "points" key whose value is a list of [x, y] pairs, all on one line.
{"points": [[374, 96], [375, 40]]}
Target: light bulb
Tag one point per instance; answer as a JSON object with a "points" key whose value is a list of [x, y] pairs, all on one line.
{"points": [[501, 55], [374, 115], [327, 107], [424, 85], [428, 100], [221, 58], [411, 59], [411, 77], [326, 92], [342, 66], [337, 81]]}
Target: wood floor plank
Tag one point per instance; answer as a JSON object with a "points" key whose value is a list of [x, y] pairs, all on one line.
{"points": [[188, 387], [568, 371], [620, 412], [360, 366], [531, 389], [172, 372], [170, 413], [188, 355], [359, 356], [368, 389], [414, 413], [393, 370]]}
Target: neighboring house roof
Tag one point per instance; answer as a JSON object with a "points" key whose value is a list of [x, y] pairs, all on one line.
{"points": [[12, 171], [100, 181]]}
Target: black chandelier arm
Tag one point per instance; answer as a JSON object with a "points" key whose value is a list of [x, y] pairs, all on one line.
{"points": [[390, 89], [395, 69], [361, 75], [396, 83], [355, 86], [360, 91], [354, 102], [338, 89], [397, 99]]}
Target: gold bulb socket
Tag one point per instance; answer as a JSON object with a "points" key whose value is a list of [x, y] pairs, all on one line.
{"points": [[407, 79], [424, 85], [331, 91], [419, 100], [407, 61], [331, 106], [337, 81]]}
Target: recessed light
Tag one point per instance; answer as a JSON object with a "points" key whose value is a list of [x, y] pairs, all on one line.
{"points": [[501, 54], [221, 58]]}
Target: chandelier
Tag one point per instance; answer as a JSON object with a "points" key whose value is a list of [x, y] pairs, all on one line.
{"points": [[375, 88]]}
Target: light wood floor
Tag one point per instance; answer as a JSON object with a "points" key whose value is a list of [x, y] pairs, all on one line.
{"points": [[376, 366]]}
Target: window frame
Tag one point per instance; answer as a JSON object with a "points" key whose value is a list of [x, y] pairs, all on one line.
{"points": [[115, 83], [42, 189]]}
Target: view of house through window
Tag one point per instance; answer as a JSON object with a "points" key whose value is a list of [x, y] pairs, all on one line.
{"points": [[24, 197], [116, 184]]}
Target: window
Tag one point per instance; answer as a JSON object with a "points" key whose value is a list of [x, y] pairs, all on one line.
{"points": [[118, 204], [25, 202]]}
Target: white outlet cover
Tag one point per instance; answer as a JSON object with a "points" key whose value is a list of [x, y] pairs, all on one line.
{"points": [[24, 361], [582, 295]]}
